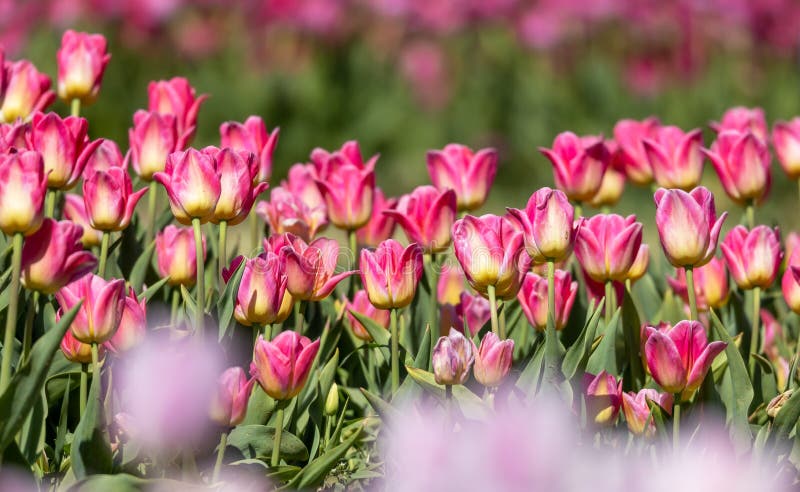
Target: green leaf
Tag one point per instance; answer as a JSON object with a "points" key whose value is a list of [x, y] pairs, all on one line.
{"points": [[657, 413], [124, 483], [631, 331], [257, 441], [384, 409], [139, 271], [227, 301], [153, 289], [423, 358], [379, 334], [605, 356], [61, 433], [313, 473], [786, 420], [471, 405], [90, 452], [530, 378], [188, 302], [578, 353], [32, 435]]}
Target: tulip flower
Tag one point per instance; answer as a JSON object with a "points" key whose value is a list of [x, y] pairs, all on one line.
{"points": [[493, 360], [753, 257], [629, 136], [262, 298], [82, 60], [24, 92], [229, 405], [132, 325], [578, 164], [237, 191], [611, 189], [75, 211], [109, 199], [640, 264], [53, 256], [644, 334], [381, 225], [77, 351], [252, 136], [470, 174], [310, 267], [603, 397], [326, 163], [450, 285], [103, 304], [287, 213], [176, 256], [471, 311], [786, 140], [741, 119], [548, 222], [23, 185], [152, 139], [452, 360], [193, 185], [301, 182], [742, 161], [790, 285], [532, 298], [348, 191], [361, 305], [688, 225], [104, 157], [680, 358], [177, 98], [710, 285], [427, 215], [607, 246], [772, 332], [637, 411], [391, 273], [13, 136], [64, 145], [675, 157], [791, 247], [282, 366]]}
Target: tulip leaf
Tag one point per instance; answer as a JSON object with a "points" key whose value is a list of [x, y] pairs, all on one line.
{"points": [[631, 330], [279, 473], [153, 289], [384, 409], [471, 405], [140, 267], [61, 433], [91, 451], [27, 383], [188, 302], [257, 441], [531, 376], [605, 356], [423, 358], [124, 482], [786, 420], [578, 353], [657, 416], [379, 334], [313, 473], [32, 435], [227, 301]]}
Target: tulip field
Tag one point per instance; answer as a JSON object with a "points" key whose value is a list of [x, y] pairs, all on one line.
{"points": [[174, 317]]}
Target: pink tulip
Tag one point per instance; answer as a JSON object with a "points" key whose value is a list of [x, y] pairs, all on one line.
{"points": [[637, 411], [132, 325], [390, 274], [472, 310], [103, 303], [24, 92], [347, 184], [578, 164], [64, 145], [53, 256], [287, 213], [326, 163], [236, 172], [549, 226], [109, 199], [603, 397], [262, 298], [710, 285], [611, 189], [493, 360], [310, 267], [176, 255], [607, 246], [631, 156], [679, 358], [639, 266], [152, 139], [742, 161], [192, 181], [75, 211], [282, 366], [470, 174], [177, 98], [301, 182], [450, 285], [792, 243], [772, 332], [786, 140], [361, 305], [427, 215], [82, 60], [790, 285], [77, 351], [675, 157], [532, 298], [741, 119], [452, 360], [104, 157], [490, 251], [688, 225], [13, 136], [229, 405], [380, 226], [753, 257], [252, 136], [23, 185]]}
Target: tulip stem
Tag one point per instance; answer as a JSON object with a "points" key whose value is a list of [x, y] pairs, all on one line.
{"points": [[493, 311], [433, 301], [609, 301], [83, 388], [201, 300], [276, 443], [299, 315], [95, 361], [50, 203], [268, 332], [676, 423], [30, 316], [151, 213], [222, 253], [75, 107], [176, 298], [11, 311], [351, 239], [578, 210], [395, 351], [754, 331], [223, 443], [691, 293], [101, 268], [750, 213]]}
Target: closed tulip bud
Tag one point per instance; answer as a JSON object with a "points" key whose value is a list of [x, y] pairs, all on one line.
{"points": [[64, 145], [710, 285], [629, 136], [742, 161], [193, 186], [578, 164], [680, 358], [688, 226], [452, 360], [753, 257], [24, 92], [53, 256], [252, 136], [103, 303], [361, 305], [493, 360], [75, 211], [310, 268], [644, 334], [470, 174], [390, 274], [152, 139], [381, 225], [640, 263], [132, 325], [109, 199], [287, 213], [532, 298], [237, 191], [104, 157], [675, 157], [177, 98], [23, 185], [490, 251], [176, 255], [607, 245], [348, 192], [637, 410], [611, 189], [262, 298], [450, 285], [229, 404], [282, 366], [332, 401], [82, 60], [427, 216], [603, 397], [790, 285], [549, 226], [741, 119], [77, 351]]}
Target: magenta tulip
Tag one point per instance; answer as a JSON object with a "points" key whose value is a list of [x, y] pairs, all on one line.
{"points": [[177, 98], [74, 210], [82, 60], [742, 161], [282, 366], [603, 397], [452, 360], [753, 257], [427, 215], [176, 256], [64, 145], [103, 304], [675, 157], [639, 266], [790, 285], [132, 325], [192, 181], [23, 185], [152, 139], [786, 140], [361, 305], [13, 136], [53, 256], [347, 184], [611, 189], [77, 351], [637, 410], [310, 268], [741, 119], [470, 174], [532, 298], [607, 246], [381, 225], [104, 157], [629, 136], [109, 199], [390, 274], [450, 285], [237, 173], [262, 298], [229, 405], [549, 226], [578, 164], [288, 213], [493, 360], [25, 91], [252, 136]]}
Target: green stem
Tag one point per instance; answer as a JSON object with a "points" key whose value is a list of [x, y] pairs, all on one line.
{"points": [[493, 311], [75, 107], [30, 316], [222, 253], [578, 208], [11, 312], [50, 203], [395, 351], [327, 434], [691, 293], [176, 299], [276, 446], [83, 388], [433, 304], [676, 422], [151, 213], [101, 268], [200, 294], [223, 443], [95, 361], [755, 329], [351, 239], [298, 317], [750, 212], [268, 332], [609, 301], [551, 299]]}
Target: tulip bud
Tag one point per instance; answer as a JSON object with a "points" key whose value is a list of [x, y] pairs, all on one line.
{"points": [[710, 285], [629, 136], [578, 164], [132, 325], [348, 194], [77, 351], [786, 140], [53, 256], [237, 192], [103, 303], [391, 273], [493, 360], [452, 359], [23, 186], [262, 298], [742, 161], [637, 411], [175, 97], [24, 92], [252, 136], [282, 366], [109, 199], [82, 60], [607, 246], [361, 305], [310, 267], [549, 227], [229, 405], [741, 119], [469, 174], [611, 189], [176, 255], [332, 401], [152, 139], [381, 225], [675, 157], [603, 397], [532, 298], [753, 257], [64, 145], [193, 186], [426, 216]]}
